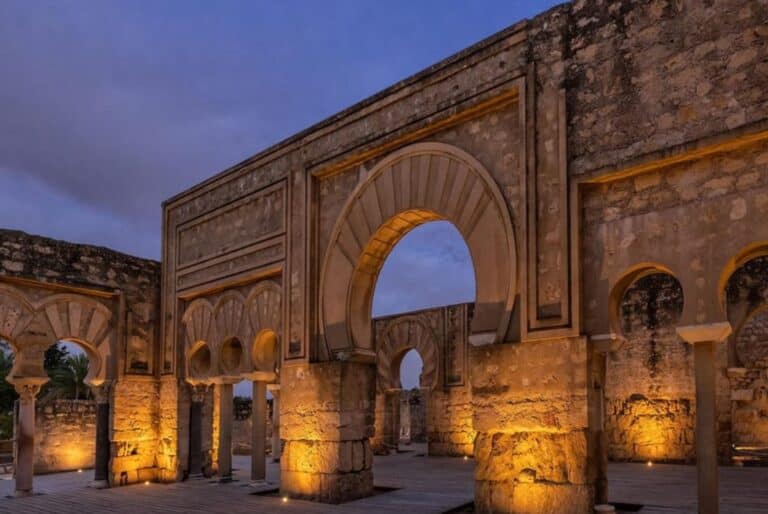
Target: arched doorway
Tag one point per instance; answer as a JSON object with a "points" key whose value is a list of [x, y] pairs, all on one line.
{"points": [[418, 184]]}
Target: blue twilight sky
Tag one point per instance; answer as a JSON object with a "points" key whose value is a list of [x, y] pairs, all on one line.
{"points": [[107, 108]]}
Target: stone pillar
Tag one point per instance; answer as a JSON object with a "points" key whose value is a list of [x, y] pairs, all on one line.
{"points": [[101, 466], [25, 434], [704, 338], [327, 418], [601, 345], [532, 449], [196, 430], [276, 442], [259, 432], [226, 414]]}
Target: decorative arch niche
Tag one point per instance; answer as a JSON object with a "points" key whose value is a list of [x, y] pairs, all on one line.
{"points": [[420, 183]]}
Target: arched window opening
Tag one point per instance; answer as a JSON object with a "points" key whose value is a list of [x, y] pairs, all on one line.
{"points": [[67, 366]]}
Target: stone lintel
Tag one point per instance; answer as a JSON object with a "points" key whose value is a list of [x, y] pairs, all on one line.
{"points": [[261, 376], [358, 355], [224, 380], [606, 343], [705, 333], [482, 338]]}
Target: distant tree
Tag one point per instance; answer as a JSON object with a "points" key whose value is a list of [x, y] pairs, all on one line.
{"points": [[68, 379], [7, 392], [55, 356]]}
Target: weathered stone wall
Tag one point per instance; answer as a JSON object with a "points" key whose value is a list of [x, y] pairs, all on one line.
{"points": [[649, 390], [449, 422], [135, 428], [65, 435], [326, 420], [650, 408], [128, 288], [530, 412], [747, 403]]}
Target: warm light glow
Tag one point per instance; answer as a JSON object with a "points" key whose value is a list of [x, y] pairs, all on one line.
{"points": [[79, 470], [466, 458], [285, 499], [650, 464], [146, 483]]}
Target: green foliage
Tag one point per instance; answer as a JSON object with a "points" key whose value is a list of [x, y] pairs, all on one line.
{"points": [[7, 392], [68, 378], [6, 425]]}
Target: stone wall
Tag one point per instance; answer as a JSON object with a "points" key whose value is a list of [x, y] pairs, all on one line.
{"points": [[747, 403], [65, 435], [649, 390], [126, 291], [530, 411], [326, 420]]}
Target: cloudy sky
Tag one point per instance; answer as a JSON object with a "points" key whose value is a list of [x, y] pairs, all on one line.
{"points": [[107, 108]]}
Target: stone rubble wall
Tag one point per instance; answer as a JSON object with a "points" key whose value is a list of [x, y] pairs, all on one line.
{"points": [[65, 435], [449, 422], [42, 267]]}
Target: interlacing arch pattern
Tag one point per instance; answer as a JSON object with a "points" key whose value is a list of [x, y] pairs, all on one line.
{"points": [[57, 317], [233, 317]]}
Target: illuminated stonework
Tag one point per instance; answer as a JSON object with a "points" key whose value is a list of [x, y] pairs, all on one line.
{"points": [[578, 153]]}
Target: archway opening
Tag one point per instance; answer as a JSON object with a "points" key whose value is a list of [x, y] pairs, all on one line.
{"points": [[746, 305], [413, 415], [421, 312], [649, 385]]}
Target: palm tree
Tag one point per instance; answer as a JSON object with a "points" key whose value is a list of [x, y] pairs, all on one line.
{"points": [[68, 379]]}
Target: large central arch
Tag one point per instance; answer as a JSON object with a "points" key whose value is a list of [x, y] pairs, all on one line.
{"points": [[420, 183]]}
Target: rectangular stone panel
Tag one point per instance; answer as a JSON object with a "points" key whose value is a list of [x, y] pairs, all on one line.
{"points": [[235, 226], [246, 259]]}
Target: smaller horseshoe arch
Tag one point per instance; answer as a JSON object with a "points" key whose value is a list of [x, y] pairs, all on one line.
{"points": [[404, 335]]}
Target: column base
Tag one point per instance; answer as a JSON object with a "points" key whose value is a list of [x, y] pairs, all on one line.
{"points": [[23, 494], [326, 488], [98, 484]]}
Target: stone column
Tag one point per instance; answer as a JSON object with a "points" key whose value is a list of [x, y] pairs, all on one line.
{"points": [[601, 345], [25, 434], [276, 442], [259, 432], [196, 430], [327, 418], [704, 338], [226, 414], [101, 466]]}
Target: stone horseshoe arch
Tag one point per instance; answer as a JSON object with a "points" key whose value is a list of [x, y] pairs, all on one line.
{"points": [[400, 337], [420, 183], [264, 308]]}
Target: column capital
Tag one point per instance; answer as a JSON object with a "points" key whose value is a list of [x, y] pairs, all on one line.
{"points": [[705, 333], [28, 387], [199, 392], [101, 391]]}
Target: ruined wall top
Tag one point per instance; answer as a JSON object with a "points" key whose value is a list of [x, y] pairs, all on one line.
{"points": [[50, 261]]}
